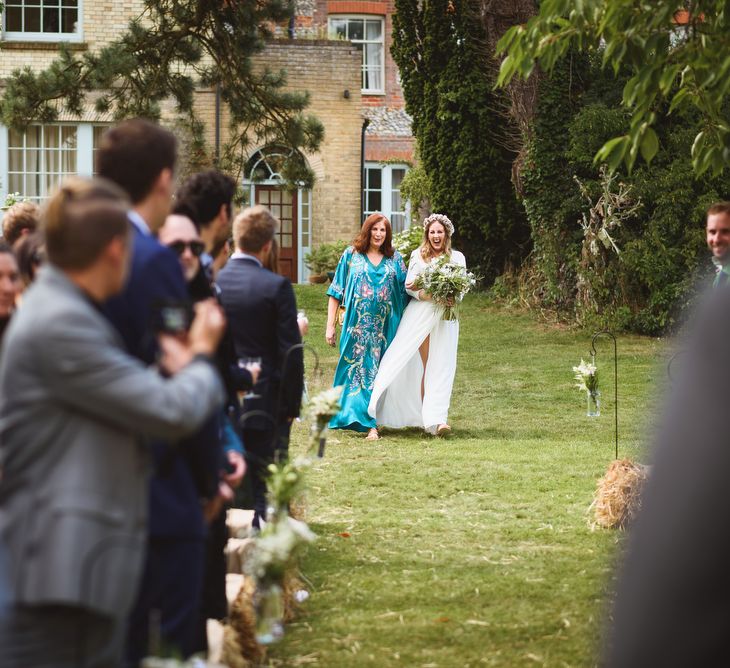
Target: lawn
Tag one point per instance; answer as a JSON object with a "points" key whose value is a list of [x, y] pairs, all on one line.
{"points": [[477, 549]]}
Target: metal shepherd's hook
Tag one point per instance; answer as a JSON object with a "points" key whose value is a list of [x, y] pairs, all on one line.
{"points": [[615, 376]]}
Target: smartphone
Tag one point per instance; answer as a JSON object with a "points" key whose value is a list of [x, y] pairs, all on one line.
{"points": [[173, 317]]}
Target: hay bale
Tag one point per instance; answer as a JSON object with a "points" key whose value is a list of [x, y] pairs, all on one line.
{"points": [[291, 585], [618, 494], [243, 620], [231, 652]]}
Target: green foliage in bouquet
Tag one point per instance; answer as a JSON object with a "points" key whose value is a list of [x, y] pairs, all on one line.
{"points": [[447, 283]]}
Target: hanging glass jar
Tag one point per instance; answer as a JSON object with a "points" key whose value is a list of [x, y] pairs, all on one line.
{"points": [[269, 606], [593, 403]]}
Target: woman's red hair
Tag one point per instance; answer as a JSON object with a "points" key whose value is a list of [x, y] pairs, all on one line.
{"points": [[362, 240]]}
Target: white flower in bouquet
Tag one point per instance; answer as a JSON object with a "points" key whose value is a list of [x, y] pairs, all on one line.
{"points": [[447, 283], [275, 548], [586, 377]]}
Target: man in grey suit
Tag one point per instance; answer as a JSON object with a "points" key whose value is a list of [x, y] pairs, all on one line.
{"points": [[73, 496]]}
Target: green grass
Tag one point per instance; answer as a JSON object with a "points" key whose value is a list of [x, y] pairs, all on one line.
{"points": [[473, 550]]}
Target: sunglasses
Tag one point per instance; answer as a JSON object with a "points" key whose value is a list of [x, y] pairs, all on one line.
{"points": [[178, 247]]}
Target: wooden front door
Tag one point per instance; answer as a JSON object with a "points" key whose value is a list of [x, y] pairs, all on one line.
{"points": [[283, 205]]}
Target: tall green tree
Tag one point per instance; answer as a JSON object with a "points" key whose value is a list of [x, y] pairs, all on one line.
{"points": [[459, 127], [677, 55], [172, 47]]}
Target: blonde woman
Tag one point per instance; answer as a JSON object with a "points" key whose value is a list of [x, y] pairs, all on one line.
{"points": [[416, 376]]}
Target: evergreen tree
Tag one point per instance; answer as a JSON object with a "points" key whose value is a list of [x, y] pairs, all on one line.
{"points": [[172, 47], [459, 128]]}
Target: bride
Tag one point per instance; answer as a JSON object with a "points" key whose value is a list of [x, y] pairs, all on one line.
{"points": [[416, 374]]}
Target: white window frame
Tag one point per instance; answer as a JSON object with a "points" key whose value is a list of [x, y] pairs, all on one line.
{"points": [[364, 42], [24, 36], [386, 192], [84, 153]]}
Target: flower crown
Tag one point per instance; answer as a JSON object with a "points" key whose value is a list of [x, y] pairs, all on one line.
{"points": [[439, 218]]}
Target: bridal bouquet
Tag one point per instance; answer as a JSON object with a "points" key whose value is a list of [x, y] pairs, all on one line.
{"points": [[447, 283]]}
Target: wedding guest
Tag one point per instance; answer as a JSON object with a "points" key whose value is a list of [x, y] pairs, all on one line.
{"points": [[180, 234], [20, 219], [369, 284], [30, 253], [718, 240], [672, 598], [10, 285], [416, 376], [140, 156], [74, 467], [207, 198], [262, 318]]}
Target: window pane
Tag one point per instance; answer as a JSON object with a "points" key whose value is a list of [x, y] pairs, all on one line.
{"points": [[15, 183], [373, 201], [286, 226], [68, 136], [53, 161], [32, 19], [69, 19], [286, 211], [396, 204], [338, 28], [14, 19], [397, 178], [398, 221], [287, 241], [374, 30], [355, 29], [50, 19], [375, 178], [15, 160], [275, 196]]}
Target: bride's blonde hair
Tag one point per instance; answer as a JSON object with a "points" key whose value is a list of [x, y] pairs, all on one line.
{"points": [[426, 248]]}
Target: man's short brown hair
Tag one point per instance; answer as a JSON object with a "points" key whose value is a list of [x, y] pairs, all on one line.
{"points": [[133, 155], [18, 218], [253, 228], [719, 207], [81, 219]]}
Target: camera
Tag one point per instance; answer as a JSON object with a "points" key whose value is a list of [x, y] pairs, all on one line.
{"points": [[172, 317]]}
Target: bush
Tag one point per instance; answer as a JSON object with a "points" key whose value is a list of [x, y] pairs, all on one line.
{"points": [[408, 240], [648, 285], [325, 257]]}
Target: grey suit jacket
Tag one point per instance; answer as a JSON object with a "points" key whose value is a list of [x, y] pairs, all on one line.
{"points": [[73, 404]]}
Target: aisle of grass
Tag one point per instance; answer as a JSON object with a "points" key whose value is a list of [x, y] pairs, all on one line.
{"points": [[475, 550]]}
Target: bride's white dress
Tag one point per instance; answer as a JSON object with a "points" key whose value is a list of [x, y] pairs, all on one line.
{"points": [[396, 399]]}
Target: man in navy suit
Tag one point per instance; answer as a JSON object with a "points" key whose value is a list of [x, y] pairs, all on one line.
{"points": [[140, 157], [262, 317]]}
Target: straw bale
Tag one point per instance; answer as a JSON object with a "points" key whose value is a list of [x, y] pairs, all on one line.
{"points": [[618, 494]]}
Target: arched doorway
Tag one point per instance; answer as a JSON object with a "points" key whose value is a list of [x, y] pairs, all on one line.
{"points": [[292, 207]]}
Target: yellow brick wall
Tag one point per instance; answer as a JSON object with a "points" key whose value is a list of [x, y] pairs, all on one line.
{"points": [[325, 68], [103, 21]]}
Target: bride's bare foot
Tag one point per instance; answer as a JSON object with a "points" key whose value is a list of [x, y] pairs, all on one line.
{"points": [[443, 430], [373, 435]]}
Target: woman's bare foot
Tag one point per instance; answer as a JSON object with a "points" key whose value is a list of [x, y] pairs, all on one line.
{"points": [[373, 435], [443, 430]]}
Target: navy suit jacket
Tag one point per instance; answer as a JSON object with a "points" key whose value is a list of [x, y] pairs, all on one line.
{"points": [[262, 317], [156, 277]]}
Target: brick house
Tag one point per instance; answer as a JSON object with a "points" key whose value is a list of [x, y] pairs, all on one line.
{"points": [[338, 51]]}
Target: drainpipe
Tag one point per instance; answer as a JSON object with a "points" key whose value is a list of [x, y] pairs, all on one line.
{"points": [[365, 124], [291, 29], [217, 124]]}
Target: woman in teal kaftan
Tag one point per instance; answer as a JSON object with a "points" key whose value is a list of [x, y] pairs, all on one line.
{"points": [[370, 284]]}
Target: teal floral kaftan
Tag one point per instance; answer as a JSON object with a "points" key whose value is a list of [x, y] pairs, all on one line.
{"points": [[374, 298]]}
